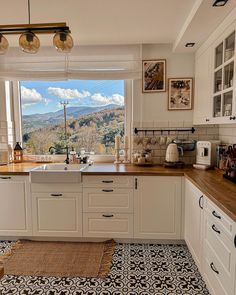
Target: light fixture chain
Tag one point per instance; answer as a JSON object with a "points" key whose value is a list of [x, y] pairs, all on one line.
{"points": [[29, 11]]}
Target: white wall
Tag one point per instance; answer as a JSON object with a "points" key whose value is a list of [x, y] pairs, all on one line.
{"points": [[151, 108]]}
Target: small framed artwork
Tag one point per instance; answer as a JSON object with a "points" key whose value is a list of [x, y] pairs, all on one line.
{"points": [[180, 94], [154, 75]]}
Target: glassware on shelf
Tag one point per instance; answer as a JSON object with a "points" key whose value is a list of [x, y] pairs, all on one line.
{"points": [[219, 55], [217, 106], [227, 103], [229, 46], [228, 75], [218, 81]]}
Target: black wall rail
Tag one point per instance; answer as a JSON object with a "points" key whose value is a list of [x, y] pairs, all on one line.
{"points": [[136, 130]]}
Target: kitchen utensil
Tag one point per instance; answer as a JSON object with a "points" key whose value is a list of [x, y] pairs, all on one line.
{"points": [[186, 145], [162, 140], [169, 139]]}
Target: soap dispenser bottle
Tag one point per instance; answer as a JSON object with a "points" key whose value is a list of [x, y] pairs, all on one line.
{"points": [[72, 157]]}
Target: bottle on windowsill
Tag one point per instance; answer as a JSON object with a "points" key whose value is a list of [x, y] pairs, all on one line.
{"points": [[72, 157]]}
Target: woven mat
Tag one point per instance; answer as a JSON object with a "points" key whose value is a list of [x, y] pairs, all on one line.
{"points": [[60, 259]]}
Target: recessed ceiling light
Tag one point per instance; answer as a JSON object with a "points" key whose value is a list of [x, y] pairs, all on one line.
{"points": [[219, 3], [189, 44]]}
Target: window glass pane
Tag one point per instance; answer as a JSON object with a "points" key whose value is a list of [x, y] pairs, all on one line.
{"points": [[219, 55], [227, 103], [95, 115], [218, 81], [229, 46], [217, 106], [228, 75]]}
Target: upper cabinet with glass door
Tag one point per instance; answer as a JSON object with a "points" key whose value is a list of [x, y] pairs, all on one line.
{"points": [[223, 92]]}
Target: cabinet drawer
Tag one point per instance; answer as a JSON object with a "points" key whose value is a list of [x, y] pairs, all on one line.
{"points": [[104, 200], [221, 218], [219, 279], [108, 225], [108, 181], [223, 247]]}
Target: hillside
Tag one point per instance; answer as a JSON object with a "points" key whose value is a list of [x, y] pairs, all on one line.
{"points": [[37, 121], [94, 131]]}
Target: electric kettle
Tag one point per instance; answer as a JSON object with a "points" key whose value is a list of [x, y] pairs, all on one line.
{"points": [[172, 153]]}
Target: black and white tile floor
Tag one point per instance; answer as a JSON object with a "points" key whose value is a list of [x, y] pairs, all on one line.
{"points": [[138, 269]]}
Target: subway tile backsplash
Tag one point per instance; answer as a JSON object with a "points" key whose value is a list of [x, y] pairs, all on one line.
{"points": [[227, 133], [158, 151]]}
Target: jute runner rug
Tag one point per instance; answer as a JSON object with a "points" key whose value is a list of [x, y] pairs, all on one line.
{"points": [[60, 259]]}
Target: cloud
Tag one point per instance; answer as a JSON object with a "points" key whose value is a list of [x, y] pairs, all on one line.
{"points": [[68, 93], [30, 96], [104, 100]]}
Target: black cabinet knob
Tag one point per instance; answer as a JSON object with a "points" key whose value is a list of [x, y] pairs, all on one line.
{"points": [[232, 118], [207, 120]]}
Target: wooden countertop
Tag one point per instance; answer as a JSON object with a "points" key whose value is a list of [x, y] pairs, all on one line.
{"points": [[221, 191]]}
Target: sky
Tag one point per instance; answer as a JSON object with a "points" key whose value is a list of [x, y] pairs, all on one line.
{"points": [[45, 96]]}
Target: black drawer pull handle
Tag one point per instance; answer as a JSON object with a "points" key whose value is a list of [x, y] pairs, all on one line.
{"points": [[56, 195], [200, 202], [108, 215], [213, 268], [108, 190], [215, 229], [216, 215], [5, 177], [107, 181], [235, 241]]}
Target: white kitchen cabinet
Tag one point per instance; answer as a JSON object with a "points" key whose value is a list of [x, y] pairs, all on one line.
{"points": [[15, 206], [108, 225], [57, 210], [215, 81], [157, 207], [202, 113], [219, 251], [193, 221], [108, 206]]}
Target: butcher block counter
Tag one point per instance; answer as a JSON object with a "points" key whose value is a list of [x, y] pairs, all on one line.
{"points": [[221, 191]]}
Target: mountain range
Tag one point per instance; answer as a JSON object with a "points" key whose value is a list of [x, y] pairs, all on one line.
{"points": [[37, 121]]}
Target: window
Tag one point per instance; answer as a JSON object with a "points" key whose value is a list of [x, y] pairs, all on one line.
{"points": [[95, 111]]}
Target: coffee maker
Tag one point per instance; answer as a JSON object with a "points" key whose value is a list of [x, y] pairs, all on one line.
{"points": [[206, 154]]}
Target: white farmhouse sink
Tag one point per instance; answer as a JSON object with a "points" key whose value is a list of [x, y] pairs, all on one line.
{"points": [[60, 173]]}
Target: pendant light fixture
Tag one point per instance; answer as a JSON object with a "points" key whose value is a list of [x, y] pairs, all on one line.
{"points": [[28, 40]]}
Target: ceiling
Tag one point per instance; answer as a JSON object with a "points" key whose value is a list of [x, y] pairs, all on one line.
{"points": [[97, 22]]}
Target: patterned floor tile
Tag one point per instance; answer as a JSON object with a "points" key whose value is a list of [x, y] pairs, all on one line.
{"points": [[138, 269]]}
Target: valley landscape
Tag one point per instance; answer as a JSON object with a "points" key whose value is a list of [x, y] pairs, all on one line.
{"points": [[90, 128]]}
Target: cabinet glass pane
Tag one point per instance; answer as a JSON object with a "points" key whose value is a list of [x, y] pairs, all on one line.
{"points": [[218, 81], [217, 106], [219, 55], [228, 75], [229, 46], [227, 103]]}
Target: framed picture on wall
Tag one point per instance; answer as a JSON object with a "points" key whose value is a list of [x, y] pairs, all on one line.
{"points": [[180, 94], [154, 75]]}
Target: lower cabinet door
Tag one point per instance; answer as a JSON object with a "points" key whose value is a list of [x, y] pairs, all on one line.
{"points": [[157, 207], [15, 206], [108, 225], [57, 214]]}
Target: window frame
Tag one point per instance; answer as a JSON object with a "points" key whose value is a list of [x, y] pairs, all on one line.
{"points": [[128, 93]]}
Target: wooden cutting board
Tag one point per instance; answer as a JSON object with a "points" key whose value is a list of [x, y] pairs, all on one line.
{"points": [[1, 272]]}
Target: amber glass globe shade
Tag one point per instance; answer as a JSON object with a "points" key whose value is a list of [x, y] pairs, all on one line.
{"points": [[63, 42], [3, 44], [29, 42]]}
